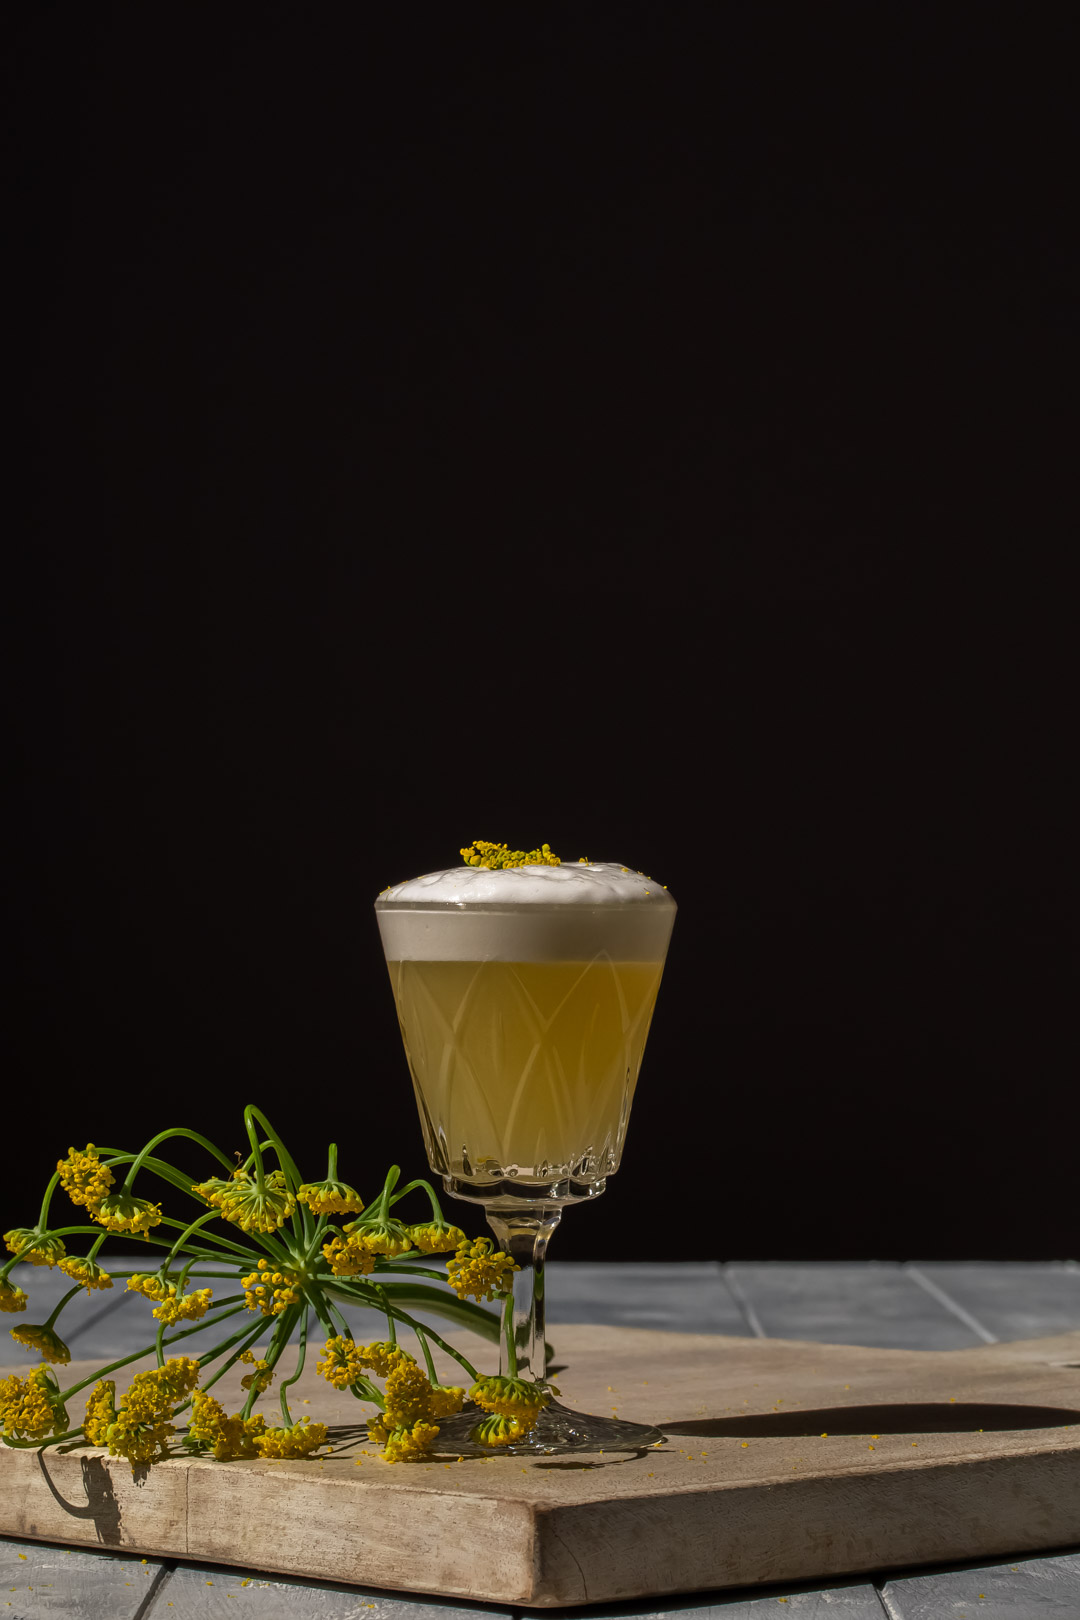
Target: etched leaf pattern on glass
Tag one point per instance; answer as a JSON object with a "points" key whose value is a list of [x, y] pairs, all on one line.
{"points": [[525, 1068]]}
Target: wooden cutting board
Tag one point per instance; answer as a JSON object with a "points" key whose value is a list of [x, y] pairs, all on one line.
{"points": [[785, 1461]]}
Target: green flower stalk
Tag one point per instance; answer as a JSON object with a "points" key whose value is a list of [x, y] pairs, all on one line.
{"points": [[263, 1228]]}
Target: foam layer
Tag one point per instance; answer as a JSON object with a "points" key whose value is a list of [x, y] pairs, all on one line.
{"points": [[527, 914], [593, 883]]}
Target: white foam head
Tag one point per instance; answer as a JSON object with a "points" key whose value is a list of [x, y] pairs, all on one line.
{"points": [[570, 912]]}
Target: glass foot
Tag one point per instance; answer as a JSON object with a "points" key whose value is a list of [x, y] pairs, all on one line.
{"points": [[557, 1430]]}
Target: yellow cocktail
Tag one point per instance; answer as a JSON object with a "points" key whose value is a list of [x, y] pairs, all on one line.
{"points": [[525, 1069], [524, 994], [524, 998]]}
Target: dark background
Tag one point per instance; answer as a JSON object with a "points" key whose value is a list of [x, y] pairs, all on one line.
{"points": [[647, 429]]}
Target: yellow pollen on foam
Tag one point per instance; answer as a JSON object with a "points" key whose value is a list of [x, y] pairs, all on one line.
{"points": [[497, 857]]}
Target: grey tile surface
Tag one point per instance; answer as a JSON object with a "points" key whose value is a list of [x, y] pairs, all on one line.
{"points": [[211, 1592], [45, 1287], [854, 1601], [1021, 1589], [688, 1297], [867, 1303], [1012, 1300], [40, 1582], [109, 1322], [87, 1322], [853, 1303]]}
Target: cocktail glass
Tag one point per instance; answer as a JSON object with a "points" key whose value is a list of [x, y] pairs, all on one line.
{"points": [[524, 1026]]}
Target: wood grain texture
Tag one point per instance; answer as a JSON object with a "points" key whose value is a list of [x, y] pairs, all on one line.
{"points": [[786, 1461]]}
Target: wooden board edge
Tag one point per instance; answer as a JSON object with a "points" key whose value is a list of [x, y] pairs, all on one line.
{"points": [[362, 1532], [811, 1528]]}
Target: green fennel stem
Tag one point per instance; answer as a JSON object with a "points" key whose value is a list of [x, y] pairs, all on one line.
{"points": [[146, 1350], [301, 1356]]}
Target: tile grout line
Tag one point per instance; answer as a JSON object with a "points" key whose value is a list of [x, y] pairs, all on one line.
{"points": [[149, 1602], [886, 1603], [943, 1298], [746, 1309]]}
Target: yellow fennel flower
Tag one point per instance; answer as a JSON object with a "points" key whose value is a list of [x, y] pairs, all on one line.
{"points": [[43, 1251], [480, 1271], [435, 1237], [31, 1408], [330, 1198], [228, 1437], [270, 1291], [207, 1416], [148, 1283], [410, 1444], [349, 1257], [212, 1190], [123, 1212], [185, 1307], [499, 1431], [382, 1356], [510, 1397], [141, 1429], [12, 1297], [260, 1379], [256, 1210], [342, 1363], [238, 1436], [86, 1272], [36, 1337], [84, 1178], [140, 1441], [496, 856], [380, 1237], [153, 1393], [446, 1399], [408, 1395], [100, 1412], [299, 1441]]}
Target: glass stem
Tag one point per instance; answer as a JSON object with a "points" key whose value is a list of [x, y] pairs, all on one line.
{"points": [[524, 1235]]}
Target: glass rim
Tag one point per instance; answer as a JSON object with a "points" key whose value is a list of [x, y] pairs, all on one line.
{"points": [[522, 907]]}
